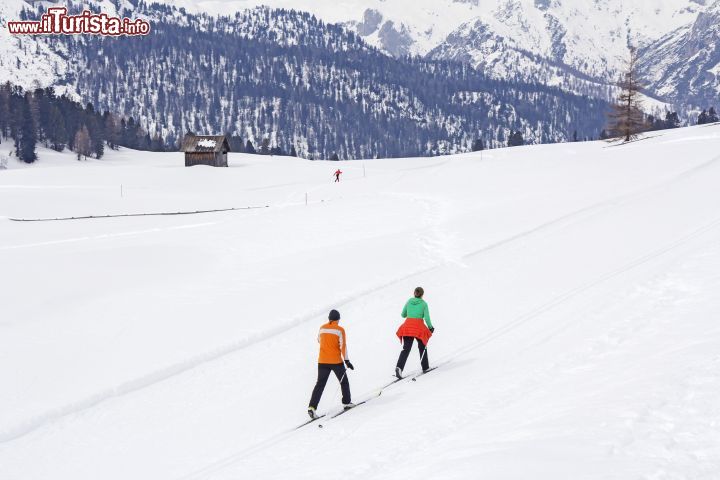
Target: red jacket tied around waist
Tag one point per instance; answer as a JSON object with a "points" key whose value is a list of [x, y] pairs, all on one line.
{"points": [[414, 327]]}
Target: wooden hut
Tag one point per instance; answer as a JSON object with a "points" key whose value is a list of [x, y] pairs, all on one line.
{"points": [[205, 150]]}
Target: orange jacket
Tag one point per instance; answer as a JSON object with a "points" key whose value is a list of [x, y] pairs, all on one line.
{"points": [[333, 343]]}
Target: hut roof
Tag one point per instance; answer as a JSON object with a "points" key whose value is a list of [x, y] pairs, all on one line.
{"points": [[205, 143]]}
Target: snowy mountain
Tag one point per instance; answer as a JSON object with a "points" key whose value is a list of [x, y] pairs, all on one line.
{"points": [[684, 66], [290, 79], [522, 51], [580, 46], [573, 288], [562, 41], [423, 25]]}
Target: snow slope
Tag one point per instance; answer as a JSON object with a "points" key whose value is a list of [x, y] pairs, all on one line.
{"points": [[26, 60], [32, 61], [573, 288]]}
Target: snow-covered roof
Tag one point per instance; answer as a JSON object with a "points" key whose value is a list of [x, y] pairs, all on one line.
{"points": [[205, 143]]}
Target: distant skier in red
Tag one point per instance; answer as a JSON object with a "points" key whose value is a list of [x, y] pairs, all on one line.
{"points": [[337, 175]]}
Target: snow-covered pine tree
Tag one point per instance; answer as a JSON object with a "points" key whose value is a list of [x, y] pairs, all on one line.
{"points": [[25, 135], [265, 146], [57, 135], [713, 116], [702, 118], [112, 130], [5, 91], [516, 139], [672, 120]]}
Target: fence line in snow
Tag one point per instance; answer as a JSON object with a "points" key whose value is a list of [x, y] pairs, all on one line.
{"points": [[157, 214]]}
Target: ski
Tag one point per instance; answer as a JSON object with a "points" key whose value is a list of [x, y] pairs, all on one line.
{"points": [[414, 377], [335, 415], [396, 380], [353, 408], [310, 421]]}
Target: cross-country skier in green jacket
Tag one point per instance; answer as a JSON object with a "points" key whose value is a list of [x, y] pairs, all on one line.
{"points": [[417, 326]]}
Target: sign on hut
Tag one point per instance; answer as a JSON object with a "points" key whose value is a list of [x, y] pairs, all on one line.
{"points": [[205, 150]]}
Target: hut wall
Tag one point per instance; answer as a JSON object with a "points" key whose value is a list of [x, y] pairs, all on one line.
{"points": [[204, 158]]}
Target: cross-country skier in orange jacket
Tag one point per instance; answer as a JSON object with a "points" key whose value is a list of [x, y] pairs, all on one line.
{"points": [[333, 349]]}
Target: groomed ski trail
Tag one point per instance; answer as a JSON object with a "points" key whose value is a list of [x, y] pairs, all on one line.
{"points": [[580, 215], [32, 424]]}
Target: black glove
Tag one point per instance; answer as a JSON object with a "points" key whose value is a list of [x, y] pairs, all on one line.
{"points": [[349, 365], [432, 329]]}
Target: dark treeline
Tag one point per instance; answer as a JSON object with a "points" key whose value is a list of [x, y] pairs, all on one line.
{"points": [[708, 116], [57, 122], [671, 120], [265, 147], [283, 81], [650, 123]]}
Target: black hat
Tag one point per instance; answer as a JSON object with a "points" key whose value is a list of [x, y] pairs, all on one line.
{"points": [[334, 316]]}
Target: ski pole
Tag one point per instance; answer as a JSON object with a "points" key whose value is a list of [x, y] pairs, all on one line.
{"points": [[340, 384], [421, 360], [423, 355]]}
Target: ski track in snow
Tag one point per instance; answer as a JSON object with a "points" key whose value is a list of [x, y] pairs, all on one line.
{"points": [[106, 236], [587, 286], [641, 426], [465, 349], [126, 388], [435, 218]]}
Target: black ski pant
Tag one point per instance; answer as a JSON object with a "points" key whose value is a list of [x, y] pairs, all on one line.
{"points": [[324, 370], [407, 346]]}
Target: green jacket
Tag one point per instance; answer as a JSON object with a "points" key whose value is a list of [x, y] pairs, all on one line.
{"points": [[417, 308]]}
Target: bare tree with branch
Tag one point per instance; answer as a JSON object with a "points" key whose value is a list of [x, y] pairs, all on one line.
{"points": [[626, 119], [82, 145]]}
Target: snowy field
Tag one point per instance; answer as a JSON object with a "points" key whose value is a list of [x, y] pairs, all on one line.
{"points": [[574, 289]]}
